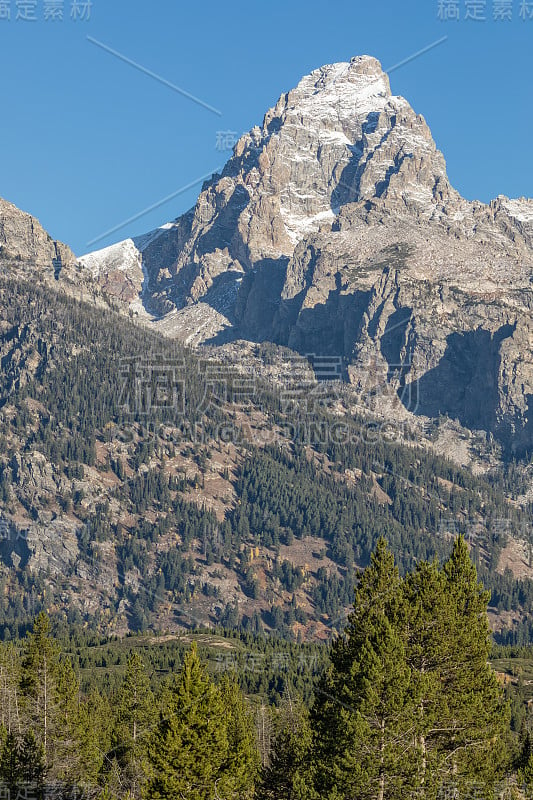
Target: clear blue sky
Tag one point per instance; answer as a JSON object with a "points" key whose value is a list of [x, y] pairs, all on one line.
{"points": [[88, 141]]}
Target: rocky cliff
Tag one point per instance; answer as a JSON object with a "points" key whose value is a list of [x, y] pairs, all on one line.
{"points": [[26, 247]]}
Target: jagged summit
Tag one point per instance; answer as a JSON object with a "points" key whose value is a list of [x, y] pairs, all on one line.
{"points": [[335, 153], [359, 82], [338, 137]]}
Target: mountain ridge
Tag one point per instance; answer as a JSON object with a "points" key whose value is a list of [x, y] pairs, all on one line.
{"points": [[334, 230], [329, 225]]}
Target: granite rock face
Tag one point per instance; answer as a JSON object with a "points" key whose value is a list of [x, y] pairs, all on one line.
{"points": [[26, 246], [333, 229]]}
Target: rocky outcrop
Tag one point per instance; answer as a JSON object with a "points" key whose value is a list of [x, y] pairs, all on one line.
{"points": [[26, 246]]}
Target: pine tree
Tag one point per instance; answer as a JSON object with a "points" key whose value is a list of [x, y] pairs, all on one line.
{"points": [[95, 723], [410, 705], [462, 718], [40, 668], [474, 719], [428, 654], [524, 765], [50, 703], [134, 715], [9, 689], [22, 765], [364, 709], [242, 764], [190, 747], [66, 728], [288, 775]]}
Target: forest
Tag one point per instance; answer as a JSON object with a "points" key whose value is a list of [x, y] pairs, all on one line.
{"points": [[402, 704]]}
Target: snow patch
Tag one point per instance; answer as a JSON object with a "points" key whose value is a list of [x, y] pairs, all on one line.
{"points": [[122, 256], [521, 210], [299, 226]]}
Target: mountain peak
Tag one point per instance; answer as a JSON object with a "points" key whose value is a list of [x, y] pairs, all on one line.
{"points": [[362, 75], [337, 92], [333, 230], [337, 139]]}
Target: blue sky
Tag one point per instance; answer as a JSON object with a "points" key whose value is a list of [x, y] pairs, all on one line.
{"points": [[87, 141]]}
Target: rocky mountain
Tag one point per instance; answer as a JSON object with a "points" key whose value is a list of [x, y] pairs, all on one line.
{"points": [[334, 230]]}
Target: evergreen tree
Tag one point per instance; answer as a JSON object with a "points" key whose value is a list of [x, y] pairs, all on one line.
{"points": [[9, 689], [40, 670], [22, 765], [410, 704], [462, 719], [190, 747], [95, 726], [50, 703], [134, 715], [364, 709], [288, 776], [474, 717], [428, 654], [525, 766], [67, 724], [242, 763]]}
